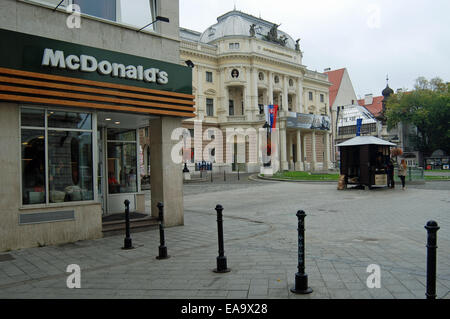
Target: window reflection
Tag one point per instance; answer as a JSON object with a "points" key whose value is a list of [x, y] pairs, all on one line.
{"points": [[105, 9], [33, 166], [69, 170], [70, 166], [122, 168], [74, 120]]}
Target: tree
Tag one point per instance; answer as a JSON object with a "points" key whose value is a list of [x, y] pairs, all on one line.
{"points": [[427, 107]]}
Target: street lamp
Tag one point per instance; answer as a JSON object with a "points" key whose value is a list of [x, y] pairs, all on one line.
{"points": [[268, 143], [158, 18], [185, 169]]}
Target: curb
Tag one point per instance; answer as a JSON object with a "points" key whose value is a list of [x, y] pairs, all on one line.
{"points": [[294, 180]]}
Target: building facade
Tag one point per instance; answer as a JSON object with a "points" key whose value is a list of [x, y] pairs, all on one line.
{"points": [[401, 134], [241, 64], [341, 94], [76, 84]]}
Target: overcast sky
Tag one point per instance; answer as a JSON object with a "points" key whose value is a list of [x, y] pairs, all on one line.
{"points": [[371, 38]]}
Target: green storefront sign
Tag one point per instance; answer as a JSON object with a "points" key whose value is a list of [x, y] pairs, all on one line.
{"points": [[26, 52]]}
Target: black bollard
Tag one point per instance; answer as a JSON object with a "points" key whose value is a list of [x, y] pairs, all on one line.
{"points": [[301, 279], [224, 178], [221, 259], [211, 176], [127, 244], [238, 174], [432, 228], [162, 241]]}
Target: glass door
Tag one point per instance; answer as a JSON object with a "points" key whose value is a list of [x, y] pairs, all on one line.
{"points": [[121, 168], [101, 168]]}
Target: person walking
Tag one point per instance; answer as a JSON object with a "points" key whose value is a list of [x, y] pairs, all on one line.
{"points": [[390, 173], [402, 169]]}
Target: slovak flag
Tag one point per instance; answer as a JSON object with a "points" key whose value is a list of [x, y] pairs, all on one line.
{"points": [[273, 111]]}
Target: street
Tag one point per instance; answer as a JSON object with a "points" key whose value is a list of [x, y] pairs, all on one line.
{"points": [[346, 231]]}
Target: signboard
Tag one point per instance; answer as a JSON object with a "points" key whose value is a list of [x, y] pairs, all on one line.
{"points": [[308, 121], [380, 179], [25, 52]]}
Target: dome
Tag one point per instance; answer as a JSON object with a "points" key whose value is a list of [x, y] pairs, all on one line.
{"points": [[387, 91], [236, 23]]}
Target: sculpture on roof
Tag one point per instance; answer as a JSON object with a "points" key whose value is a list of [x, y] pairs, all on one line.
{"points": [[273, 33], [272, 36], [252, 30], [297, 45]]}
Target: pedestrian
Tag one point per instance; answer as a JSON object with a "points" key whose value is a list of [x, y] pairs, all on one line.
{"points": [[402, 169], [390, 173]]}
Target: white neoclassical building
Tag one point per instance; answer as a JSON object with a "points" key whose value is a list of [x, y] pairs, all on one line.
{"points": [[242, 63]]}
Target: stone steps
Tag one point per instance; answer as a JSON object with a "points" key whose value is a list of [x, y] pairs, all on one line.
{"points": [[117, 227]]}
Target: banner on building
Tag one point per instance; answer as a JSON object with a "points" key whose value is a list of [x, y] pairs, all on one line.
{"points": [[308, 121]]}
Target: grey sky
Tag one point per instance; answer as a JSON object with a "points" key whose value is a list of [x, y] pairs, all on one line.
{"points": [[403, 38]]}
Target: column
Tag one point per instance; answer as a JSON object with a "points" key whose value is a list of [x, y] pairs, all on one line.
{"points": [[223, 113], [290, 153], [285, 94], [270, 88], [167, 178], [254, 81], [299, 96], [299, 163], [327, 163], [201, 103], [284, 163], [304, 152], [313, 146]]}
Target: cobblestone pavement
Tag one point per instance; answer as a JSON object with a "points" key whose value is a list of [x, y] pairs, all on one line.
{"points": [[345, 232]]}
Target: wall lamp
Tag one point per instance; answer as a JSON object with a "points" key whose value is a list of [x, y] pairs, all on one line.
{"points": [[189, 63], [158, 18]]}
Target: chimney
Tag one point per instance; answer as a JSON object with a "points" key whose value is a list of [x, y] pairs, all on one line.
{"points": [[368, 99]]}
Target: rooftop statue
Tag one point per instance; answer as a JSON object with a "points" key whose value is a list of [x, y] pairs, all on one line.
{"points": [[297, 45], [252, 30], [273, 33], [272, 36]]}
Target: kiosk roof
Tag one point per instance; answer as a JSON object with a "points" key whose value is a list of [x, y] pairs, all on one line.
{"points": [[364, 140]]}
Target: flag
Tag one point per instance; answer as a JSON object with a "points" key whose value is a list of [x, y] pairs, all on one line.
{"points": [[271, 116], [358, 127]]}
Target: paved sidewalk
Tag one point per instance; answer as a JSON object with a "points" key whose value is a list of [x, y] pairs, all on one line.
{"points": [[345, 232]]}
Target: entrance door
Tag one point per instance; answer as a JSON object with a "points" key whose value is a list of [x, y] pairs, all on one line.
{"points": [[122, 168], [101, 168]]}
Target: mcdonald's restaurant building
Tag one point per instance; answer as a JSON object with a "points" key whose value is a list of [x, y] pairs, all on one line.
{"points": [[71, 103]]}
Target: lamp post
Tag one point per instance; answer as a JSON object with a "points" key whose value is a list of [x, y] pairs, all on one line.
{"points": [[185, 169], [268, 142], [158, 18]]}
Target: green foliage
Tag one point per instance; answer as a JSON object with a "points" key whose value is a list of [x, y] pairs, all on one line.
{"points": [[428, 108]]}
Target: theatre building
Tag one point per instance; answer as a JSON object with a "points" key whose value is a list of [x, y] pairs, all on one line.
{"points": [[75, 88], [242, 64]]}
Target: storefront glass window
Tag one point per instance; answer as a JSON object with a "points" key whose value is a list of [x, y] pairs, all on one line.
{"points": [[121, 135], [33, 166], [70, 166], [32, 117], [80, 121], [67, 145]]}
